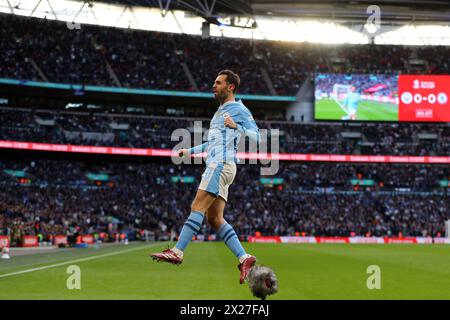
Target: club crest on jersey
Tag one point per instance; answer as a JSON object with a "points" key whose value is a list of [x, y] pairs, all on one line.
{"points": [[225, 115]]}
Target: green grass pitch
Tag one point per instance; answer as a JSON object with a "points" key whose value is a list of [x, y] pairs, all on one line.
{"points": [[304, 271], [328, 109]]}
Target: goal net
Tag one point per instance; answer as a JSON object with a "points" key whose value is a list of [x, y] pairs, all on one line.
{"points": [[447, 229], [339, 94]]}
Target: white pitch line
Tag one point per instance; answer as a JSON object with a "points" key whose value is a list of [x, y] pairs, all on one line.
{"points": [[75, 261]]}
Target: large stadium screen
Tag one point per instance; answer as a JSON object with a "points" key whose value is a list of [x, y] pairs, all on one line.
{"points": [[415, 98]]}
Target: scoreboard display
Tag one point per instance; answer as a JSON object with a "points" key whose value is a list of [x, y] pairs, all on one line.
{"points": [[424, 98], [396, 98]]}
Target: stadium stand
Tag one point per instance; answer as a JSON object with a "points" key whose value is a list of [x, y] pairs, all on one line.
{"points": [[320, 199]]}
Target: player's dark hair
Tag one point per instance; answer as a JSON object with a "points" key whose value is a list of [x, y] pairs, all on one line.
{"points": [[232, 78]]}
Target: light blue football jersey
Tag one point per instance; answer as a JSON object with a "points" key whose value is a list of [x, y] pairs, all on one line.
{"points": [[352, 99], [223, 141]]}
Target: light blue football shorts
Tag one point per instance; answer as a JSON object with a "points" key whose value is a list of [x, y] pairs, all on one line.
{"points": [[217, 177]]}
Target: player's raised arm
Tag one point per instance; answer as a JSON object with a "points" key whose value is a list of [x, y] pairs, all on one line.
{"points": [[247, 125]]}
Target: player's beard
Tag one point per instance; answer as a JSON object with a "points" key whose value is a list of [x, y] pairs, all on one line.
{"points": [[221, 96]]}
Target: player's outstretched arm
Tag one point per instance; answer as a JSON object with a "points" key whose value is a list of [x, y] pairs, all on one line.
{"points": [[194, 150]]}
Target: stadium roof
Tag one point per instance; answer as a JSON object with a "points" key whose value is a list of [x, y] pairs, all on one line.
{"points": [[200, 7], [355, 22], [339, 10]]}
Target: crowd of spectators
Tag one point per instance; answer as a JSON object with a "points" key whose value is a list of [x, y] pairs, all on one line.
{"points": [[317, 199], [103, 129], [143, 59]]}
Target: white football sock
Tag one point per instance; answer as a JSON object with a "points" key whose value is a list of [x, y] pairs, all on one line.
{"points": [[245, 256], [177, 251]]}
